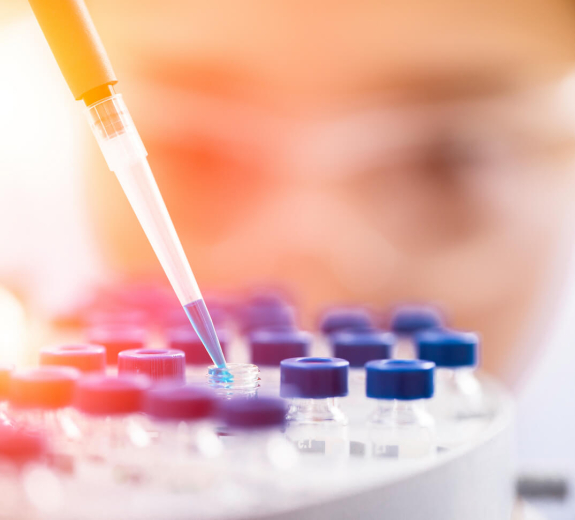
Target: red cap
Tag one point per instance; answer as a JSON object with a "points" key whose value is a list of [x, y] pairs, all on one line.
{"points": [[116, 338], [108, 395], [86, 358], [158, 364], [19, 445], [44, 387]]}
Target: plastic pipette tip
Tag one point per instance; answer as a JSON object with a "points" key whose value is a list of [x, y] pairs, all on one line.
{"points": [[202, 322]]}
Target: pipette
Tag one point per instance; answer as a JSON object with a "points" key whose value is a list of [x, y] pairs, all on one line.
{"points": [[81, 56]]}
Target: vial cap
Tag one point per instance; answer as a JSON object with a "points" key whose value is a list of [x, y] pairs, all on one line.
{"points": [[269, 347], [314, 377], [109, 395], [20, 445], [409, 319], [185, 338], [256, 316], [47, 387], [86, 358], [263, 412], [179, 403], [5, 371], [157, 364], [117, 338], [359, 347], [343, 318], [448, 348], [399, 379]]}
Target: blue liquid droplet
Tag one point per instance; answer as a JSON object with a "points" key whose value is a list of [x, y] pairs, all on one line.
{"points": [[202, 322]]}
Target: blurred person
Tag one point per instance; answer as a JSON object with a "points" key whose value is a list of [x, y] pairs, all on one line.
{"points": [[367, 152]]}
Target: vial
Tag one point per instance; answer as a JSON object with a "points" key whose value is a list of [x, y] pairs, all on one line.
{"points": [[41, 398], [236, 380], [186, 339], [358, 347], [183, 417], [116, 337], [316, 424], [157, 364], [112, 427], [28, 487], [408, 320], [85, 358], [259, 455], [459, 405], [269, 347], [400, 427]]}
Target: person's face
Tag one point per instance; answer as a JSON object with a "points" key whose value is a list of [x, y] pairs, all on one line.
{"points": [[355, 151]]}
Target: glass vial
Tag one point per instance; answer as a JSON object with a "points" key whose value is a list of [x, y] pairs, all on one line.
{"points": [[400, 427], [236, 380]]}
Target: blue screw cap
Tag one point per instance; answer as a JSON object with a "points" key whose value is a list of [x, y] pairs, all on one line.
{"points": [[399, 379], [343, 318], [448, 348], [314, 377], [359, 347], [270, 347], [409, 319]]}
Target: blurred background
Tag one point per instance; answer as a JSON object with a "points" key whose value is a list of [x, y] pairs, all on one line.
{"points": [[357, 152]]}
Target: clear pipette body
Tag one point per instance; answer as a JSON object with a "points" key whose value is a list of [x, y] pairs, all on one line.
{"points": [[127, 158]]}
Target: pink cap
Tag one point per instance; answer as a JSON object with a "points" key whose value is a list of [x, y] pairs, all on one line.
{"points": [[43, 387], [86, 358], [158, 364], [20, 445], [116, 338], [5, 371], [108, 395], [179, 403]]}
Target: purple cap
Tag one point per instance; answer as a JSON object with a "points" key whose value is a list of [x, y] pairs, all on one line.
{"points": [[185, 338], [263, 412], [108, 395], [314, 377], [117, 338], [86, 358], [409, 319], [45, 387], [19, 445], [180, 403], [269, 347], [5, 371], [263, 312], [361, 346], [343, 318], [157, 364]]}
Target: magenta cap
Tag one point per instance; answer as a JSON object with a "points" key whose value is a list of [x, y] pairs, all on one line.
{"points": [[110, 395], [86, 358], [20, 445], [117, 338], [157, 364], [44, 387], [5, 371], [179, 403]]}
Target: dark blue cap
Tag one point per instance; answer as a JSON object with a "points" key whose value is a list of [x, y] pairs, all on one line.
{"points": [[314, 377], [399, 379], [448, 348], [409, 319], [343, 318], [262, 412], [269, 347], [359, 347]]}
